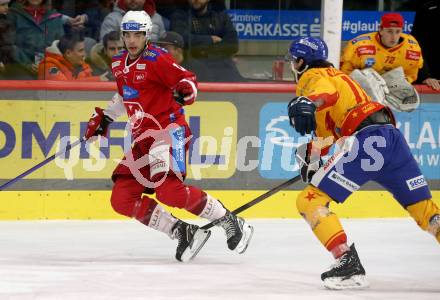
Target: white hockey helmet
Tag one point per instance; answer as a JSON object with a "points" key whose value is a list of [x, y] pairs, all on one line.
{"points": [[137, 21]]}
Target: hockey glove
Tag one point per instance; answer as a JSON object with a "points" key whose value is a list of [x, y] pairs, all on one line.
{"points": [[186, 91], [302, 114], [98, 124], [309, 161]]}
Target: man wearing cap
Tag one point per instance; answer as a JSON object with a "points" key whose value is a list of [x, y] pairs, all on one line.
{"points": [[384, 50], [174, 44]]}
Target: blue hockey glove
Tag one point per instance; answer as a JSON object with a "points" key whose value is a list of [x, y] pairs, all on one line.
{"points": [[302, 115]]}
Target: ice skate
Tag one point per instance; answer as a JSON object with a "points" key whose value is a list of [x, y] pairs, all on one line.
{"points": [[346, 273], [190, 240], [238, 232]]}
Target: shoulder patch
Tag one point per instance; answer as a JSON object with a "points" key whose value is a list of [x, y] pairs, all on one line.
{"points": [[360, 38], [53, 70], [116, 64], [151, 55], [413, 55]]}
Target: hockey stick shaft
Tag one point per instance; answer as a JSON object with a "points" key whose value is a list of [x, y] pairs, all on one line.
{"points": [[258, 199], [44, 162]]}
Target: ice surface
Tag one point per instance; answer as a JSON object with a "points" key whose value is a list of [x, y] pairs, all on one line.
{"points": [[125, 260]]}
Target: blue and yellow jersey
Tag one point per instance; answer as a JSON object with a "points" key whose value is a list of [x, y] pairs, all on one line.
{"points": [[366, 51], [341, 103]]}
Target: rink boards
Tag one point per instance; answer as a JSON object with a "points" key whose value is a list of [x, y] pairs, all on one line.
{"points": [[90, 205], [242, 146]]}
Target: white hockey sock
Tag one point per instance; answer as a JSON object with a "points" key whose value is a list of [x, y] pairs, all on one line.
{"points": [[213, 209], [162, 220]]}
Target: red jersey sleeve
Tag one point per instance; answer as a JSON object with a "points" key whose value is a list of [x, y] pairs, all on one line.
{"points": [[169, 73]]}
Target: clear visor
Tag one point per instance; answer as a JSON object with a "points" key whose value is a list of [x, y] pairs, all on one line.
{"points": [[289, 57]]}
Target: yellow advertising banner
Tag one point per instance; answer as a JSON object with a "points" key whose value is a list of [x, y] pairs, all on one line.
{"points": [[31, 131]]}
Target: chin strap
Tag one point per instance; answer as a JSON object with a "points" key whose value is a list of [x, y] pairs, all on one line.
{"points": [[296, 73]]}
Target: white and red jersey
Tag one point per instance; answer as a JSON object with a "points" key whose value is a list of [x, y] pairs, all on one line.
{"points": [[146, 86]]}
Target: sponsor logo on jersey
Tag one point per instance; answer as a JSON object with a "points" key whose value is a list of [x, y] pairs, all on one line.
{"points": [[129, 93], [343, 181], [416, 182], [139, 76], [329, 162], [369, 62], [361, 38], [366, 50], [116, 64], [141, 66], [413, 55], [118, 73]]}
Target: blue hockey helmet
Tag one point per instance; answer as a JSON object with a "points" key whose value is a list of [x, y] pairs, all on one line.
{"points": [[309, 49]]}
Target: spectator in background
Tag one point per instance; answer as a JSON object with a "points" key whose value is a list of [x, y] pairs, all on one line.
{"points": [[427, 18], [96, 11], [384, 50], [112, 21], [64, 60], [174, 44], [210, 39], [6, 40], [37, 26], [100, 59]]}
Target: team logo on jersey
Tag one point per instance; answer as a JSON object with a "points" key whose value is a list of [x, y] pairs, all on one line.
{"points": [[139, 76], [116, 64], [412, 42], [141, 66], [413, 55], [358, 39], [118, 73], [135, 113], [366, 50], [416, 182], [369, 62], [129, 93]]}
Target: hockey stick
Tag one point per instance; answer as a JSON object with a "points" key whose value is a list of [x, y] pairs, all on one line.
{"points": [[257, 200], [39, 165]]}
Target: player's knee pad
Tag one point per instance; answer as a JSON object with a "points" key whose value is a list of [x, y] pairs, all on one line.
{"points": [[427, 215], [313, 205]]}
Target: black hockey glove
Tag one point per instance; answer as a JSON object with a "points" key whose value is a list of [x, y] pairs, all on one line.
{"points": [[302, 115], [309, 161]]}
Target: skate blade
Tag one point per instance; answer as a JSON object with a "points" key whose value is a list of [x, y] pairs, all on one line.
{"points": [[354, 282], [248, 231], [199, 240]]}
